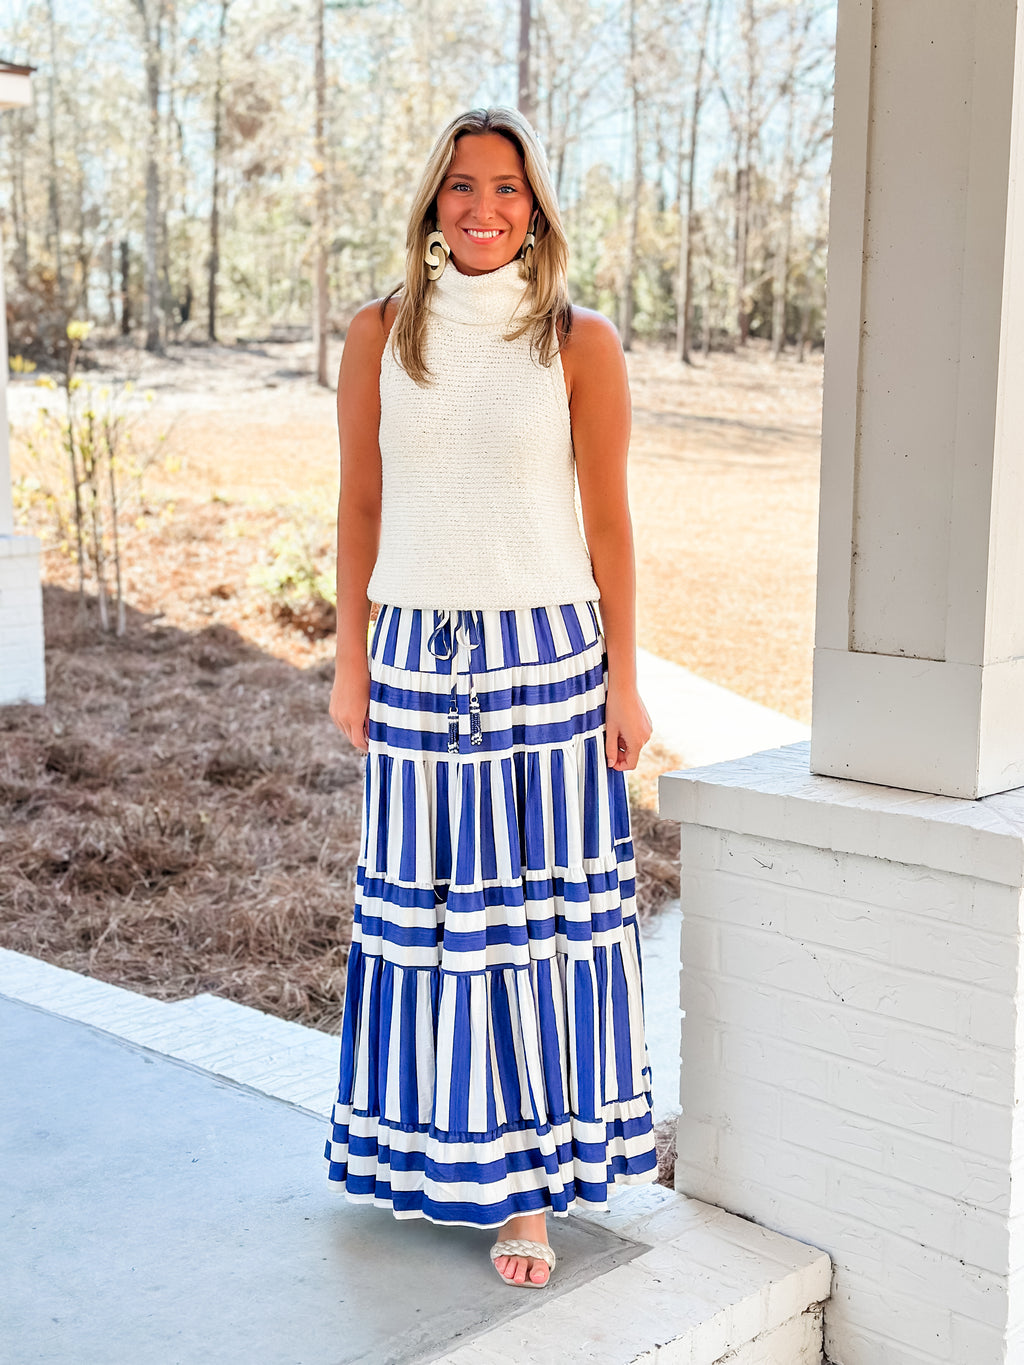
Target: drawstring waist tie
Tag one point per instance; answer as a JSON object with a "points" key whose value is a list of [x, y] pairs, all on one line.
{"points": [[455, 635]]}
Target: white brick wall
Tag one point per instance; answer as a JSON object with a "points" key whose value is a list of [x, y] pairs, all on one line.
{"points": [[22, 674], [851, 1052]]}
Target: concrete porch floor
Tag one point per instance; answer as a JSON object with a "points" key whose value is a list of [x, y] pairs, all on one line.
{"points": [[158, 1213], [156, 1210]]}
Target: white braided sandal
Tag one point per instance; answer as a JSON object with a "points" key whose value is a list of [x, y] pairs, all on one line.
{"points": [[536, 1251]]}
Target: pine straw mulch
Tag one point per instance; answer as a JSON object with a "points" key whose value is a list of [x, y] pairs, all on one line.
{"points": [[182, 816], [665, 1146]]}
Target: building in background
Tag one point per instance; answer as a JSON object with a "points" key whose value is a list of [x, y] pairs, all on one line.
{"points": [[22, 672]]}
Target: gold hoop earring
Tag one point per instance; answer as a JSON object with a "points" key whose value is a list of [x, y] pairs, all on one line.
{"points": [[435, 254], [529, 242]]}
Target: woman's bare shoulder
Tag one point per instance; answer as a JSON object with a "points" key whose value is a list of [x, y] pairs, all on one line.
{"points": [[369, 328], [592, 344], [591, 335], [366, 339], [588, 323]]}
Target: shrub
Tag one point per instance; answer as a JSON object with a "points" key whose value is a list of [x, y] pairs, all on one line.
{"points": [[87, 467], [301, 588]]}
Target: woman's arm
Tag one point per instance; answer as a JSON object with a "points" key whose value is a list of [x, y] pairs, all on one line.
{"points": [[595, 372], [358, 517]]}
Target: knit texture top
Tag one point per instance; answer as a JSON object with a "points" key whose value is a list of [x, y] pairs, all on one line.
{"points": [[478, 498]]}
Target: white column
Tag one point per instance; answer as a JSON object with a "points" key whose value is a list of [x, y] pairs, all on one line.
{"points": [[919, 659], [22, 671], [6, 504], [853, 963]]}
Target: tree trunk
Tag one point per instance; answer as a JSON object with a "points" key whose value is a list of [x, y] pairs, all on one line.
{"points": [[53, 194], [151, 12], [705, 341], [107, 266], [19, 208], [805, 324], [798, 29], [744, 158], [213, 264], [126, 295], [320, 299], [524, 98], [168, 300], [685, 275], [629, 273], [628, 283], [742, 230], [560, 170], [780, 276], [82, 258]]}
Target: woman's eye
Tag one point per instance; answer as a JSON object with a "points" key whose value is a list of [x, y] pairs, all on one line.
{"points": [[512, 189], [459, 185]]}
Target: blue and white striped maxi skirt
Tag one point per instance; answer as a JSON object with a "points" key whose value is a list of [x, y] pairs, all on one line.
{"points": [[492, 1052]]}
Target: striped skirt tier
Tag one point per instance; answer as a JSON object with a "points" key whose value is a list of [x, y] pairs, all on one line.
{"points": [[492, 1053]]}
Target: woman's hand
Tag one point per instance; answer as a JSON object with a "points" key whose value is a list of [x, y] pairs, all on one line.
{"points": [[627, 727], [350, 703]]}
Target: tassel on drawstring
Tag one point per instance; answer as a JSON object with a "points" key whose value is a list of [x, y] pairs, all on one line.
{"points": [[453, 724], [475, 730], [452, 628]]}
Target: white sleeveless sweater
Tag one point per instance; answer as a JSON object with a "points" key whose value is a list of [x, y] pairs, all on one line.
{"points": [[478, 498]]}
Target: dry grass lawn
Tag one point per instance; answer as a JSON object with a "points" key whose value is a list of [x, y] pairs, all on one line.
{"points": [[724, 489], [180, 818]]}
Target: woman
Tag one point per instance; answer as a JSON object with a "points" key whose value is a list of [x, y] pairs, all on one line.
{"points": [[493, 1065]]}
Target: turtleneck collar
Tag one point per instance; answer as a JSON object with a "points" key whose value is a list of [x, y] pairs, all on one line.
{"points": [[482, 299]]}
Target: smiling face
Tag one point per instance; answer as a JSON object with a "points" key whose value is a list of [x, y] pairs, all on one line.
{"points": [[485, 203]]}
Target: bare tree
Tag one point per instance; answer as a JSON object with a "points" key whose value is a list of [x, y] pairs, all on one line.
{"points": [[806, 62], [684, 281], [320, 296], [749, 106], [213, 261], [629, 272], [152, 13], [176, 302], [525, 85], [746, 133], [17, 121], [784, 229], [55, 234], [574, 57], [126, 296]]}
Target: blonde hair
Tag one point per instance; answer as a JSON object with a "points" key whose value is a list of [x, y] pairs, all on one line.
{"points": [[548, 317]]}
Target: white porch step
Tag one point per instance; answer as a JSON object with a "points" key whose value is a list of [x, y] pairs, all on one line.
{"points": [[271, 1055], [711, 1289], [707, 1288]]}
